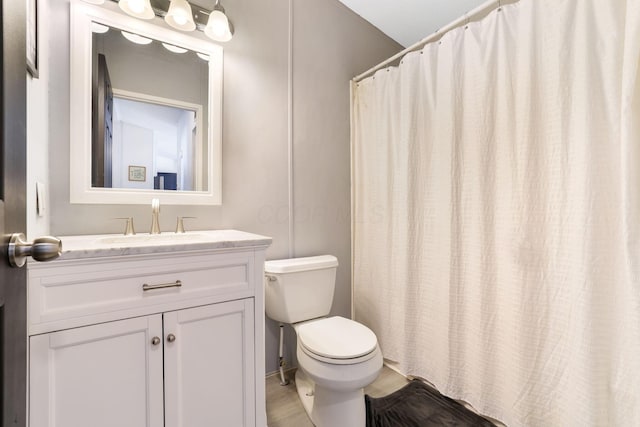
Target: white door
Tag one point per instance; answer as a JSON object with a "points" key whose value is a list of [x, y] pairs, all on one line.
{"points": [[133, 146], [209, 366], [13, 216], [102, 375]]}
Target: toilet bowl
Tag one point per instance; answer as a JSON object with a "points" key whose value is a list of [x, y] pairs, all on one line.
{"points": [[337, 357]]}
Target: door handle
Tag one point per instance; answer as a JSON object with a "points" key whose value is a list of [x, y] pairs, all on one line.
{"points": [[42, 249]]}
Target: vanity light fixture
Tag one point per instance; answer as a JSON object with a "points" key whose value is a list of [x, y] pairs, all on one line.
{"points": [[137, 8], [180, 16], [135, 38], [218, 27]]}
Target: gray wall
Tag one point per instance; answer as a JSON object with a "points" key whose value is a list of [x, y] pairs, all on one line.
{"points": [[330, 45]]}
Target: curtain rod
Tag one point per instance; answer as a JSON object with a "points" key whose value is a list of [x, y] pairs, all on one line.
{"points": [[475, 14]]}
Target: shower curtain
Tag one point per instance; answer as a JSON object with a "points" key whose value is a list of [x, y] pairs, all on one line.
{"points": [[496, 195]]}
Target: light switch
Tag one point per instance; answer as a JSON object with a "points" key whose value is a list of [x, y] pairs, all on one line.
{"points": [[41, 202]]}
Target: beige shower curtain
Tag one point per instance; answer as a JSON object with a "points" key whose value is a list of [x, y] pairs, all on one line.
{"points": [[496, 212]]}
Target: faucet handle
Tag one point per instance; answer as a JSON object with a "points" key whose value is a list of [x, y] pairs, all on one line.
{"points": [[128, 231], [180, 223], [155, 213]]}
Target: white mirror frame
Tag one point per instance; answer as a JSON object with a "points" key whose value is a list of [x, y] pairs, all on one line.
{"points": [[81, 190]]}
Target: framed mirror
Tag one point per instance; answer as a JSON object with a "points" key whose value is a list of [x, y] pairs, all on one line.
{"points": [[146, 105]]}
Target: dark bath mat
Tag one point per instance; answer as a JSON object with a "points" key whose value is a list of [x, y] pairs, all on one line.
{"points": [[418, 405]]}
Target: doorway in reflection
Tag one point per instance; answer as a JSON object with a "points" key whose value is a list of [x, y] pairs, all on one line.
{"points": [[154, 145]]}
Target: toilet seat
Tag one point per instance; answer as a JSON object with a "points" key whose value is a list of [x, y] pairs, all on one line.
{"points": [[337, 340]]}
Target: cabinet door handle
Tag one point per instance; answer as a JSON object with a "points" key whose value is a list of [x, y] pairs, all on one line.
{"points": [[171, 338], [176, 284], [155, 340]]}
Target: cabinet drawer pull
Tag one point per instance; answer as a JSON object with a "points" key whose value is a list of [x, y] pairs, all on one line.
{"points": [[176, 284], [155, 340]]}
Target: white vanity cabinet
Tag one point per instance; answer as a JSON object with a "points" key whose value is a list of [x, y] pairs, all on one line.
{"points": [[208, 367], [171, 338], [100, 375]]}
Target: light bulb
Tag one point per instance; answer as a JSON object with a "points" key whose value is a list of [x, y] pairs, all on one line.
{"points": [[219, 23], [218, 27], [179, 16], [180, 19], [136, 6]]}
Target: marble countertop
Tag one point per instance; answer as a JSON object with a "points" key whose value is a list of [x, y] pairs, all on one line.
{"points": [[107, 245]]}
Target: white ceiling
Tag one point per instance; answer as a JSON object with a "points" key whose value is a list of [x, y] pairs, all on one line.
{"points": [[409, 21]]}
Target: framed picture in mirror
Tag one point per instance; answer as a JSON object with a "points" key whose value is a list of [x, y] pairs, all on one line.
{"points": [[137, 173]]}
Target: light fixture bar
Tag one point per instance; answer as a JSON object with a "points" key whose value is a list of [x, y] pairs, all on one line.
{"points": [[200, 14], [214, 23]]}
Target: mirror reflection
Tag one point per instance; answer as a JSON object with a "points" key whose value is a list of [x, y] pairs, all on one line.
{"points": [[149, 113]]}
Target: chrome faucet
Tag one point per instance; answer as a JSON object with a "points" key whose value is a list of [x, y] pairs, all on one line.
{"points": [[155, 213]]}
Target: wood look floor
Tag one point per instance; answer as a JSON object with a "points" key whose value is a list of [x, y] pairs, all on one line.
{"points": [[285, 410]]}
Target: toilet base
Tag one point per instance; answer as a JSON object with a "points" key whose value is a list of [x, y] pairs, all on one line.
{"points": [[330, 408], [305, 388]]}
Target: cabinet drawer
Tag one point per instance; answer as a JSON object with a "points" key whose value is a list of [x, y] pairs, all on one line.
{"points": [[70, 294]]}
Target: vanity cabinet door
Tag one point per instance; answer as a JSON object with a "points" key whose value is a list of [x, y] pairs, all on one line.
{"points": [[102, 375], [209, 365]]}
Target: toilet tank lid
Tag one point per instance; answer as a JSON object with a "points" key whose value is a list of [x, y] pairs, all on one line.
{"points": [[293, 265]]}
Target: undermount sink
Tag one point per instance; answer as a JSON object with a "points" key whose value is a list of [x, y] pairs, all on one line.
{"points": [[152, 238]]}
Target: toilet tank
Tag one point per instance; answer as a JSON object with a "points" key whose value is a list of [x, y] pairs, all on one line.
{"points": [[299, 289]]}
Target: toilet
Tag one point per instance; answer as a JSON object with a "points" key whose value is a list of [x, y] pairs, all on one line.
{"points": [[337, 357]]}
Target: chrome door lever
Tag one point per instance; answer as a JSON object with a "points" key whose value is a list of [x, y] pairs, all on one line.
{"points": [[42, 249]]}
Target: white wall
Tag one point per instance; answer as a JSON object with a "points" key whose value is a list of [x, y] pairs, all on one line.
{"points": [[139, 154], [38, 137], [409, 21], [255, 134]]}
